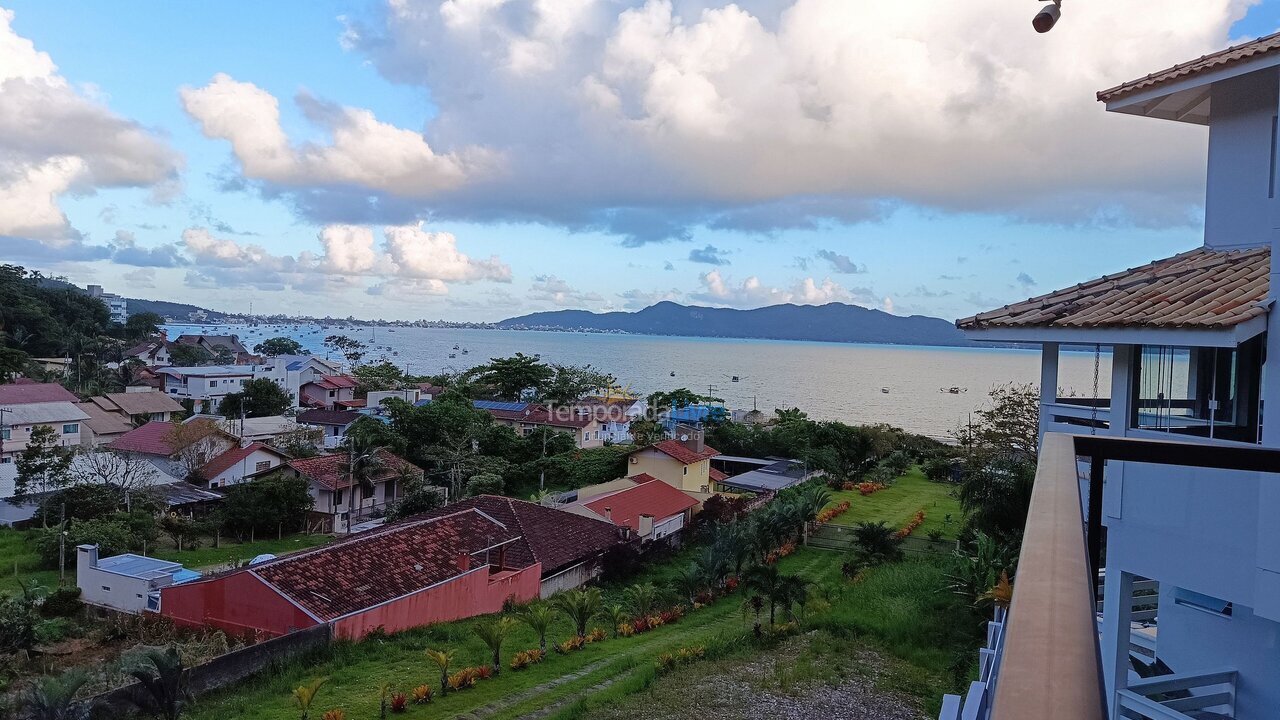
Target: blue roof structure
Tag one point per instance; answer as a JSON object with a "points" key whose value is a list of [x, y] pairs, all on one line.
{"points": [[138, 566], [501, 406]]}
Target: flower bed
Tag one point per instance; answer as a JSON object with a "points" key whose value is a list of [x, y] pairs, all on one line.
{"points": [[916, 521], [832, 513]]}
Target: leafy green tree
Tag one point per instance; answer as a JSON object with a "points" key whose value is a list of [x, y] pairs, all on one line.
{"points": [[279, 346], [350, 348], [1008, 426], [646, 432], [271, 503], [260, 397], [538, 616], [688, 581], [997, 495], [184, 355], [680, 398], [508, 378], [18, 620], [162, 673], [572, 382], [875, 544], [43, 466], [417, 500], [484, 484], [765, 581], [139, 326], [374, 377]]}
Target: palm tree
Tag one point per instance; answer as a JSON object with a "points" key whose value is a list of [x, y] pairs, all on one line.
{"points": [[615, 615], [643, 599], [765, 580], [734, 542], [161, 672], [875, 543], [688, 581], [580, 606], [538, 616], [442, 659], [53, 698], [712, 566], [304, 695], [493, 633], [793, 590], [363, 465]]}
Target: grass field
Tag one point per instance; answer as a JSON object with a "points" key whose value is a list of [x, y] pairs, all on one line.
{"points": [[899, 608], [17, 550], [896, 504]]}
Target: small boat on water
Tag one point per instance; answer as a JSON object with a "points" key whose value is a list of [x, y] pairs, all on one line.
{"points": [[953, 390], [673, 373], [884, 390], [455, 347], [453, 355], [465, 351], [734, 378]]}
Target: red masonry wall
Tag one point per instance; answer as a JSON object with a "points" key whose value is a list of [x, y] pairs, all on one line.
{"points": [[238, 604], [476, 593]]}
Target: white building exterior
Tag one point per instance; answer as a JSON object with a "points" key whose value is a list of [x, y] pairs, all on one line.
{"points": [[1192, 344], [116, 305], [205, 385], [17, 422], [128, 583]]}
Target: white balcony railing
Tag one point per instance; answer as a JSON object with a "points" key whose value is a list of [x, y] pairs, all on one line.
{"points": [[1172, 697]]}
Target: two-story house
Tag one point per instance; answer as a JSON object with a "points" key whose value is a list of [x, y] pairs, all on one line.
{"points": [[1182, 495], [683, 461], [583, 425], [342, 499], [26, 406], [328, 392], [205, 386]]}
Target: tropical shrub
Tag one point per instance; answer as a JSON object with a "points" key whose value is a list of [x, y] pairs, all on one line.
{"points": [[626, 630], [833, 512], [574, 643], [596, 635], [916, 521], [63, 602], [334, 714], [876, 543], [399, 702], [422, 694]]}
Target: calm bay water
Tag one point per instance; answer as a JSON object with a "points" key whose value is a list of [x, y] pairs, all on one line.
{"points": [[830, 381]]}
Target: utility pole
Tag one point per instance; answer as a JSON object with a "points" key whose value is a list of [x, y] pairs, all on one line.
{"points": [[542, 470], [62, 547]]}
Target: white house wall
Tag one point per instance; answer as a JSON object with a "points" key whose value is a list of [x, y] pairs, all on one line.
{"points": [[1237, 208]]}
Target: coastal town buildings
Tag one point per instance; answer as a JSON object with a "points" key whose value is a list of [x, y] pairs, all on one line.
{"points": [[1166, 604], [343, 495], [117, 306], [682, 462], [26, 406], [649, 507]]}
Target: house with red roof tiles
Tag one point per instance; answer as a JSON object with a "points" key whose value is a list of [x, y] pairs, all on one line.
{"points": [[328, 392], [570, 548], [340, 499], [581, 423], [238, 463], [682, 462], [27, 406], [179, 450], [651, 508], [437, 569]]}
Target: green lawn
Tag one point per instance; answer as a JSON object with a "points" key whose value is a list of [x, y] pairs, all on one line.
{"points": [[896, 504], [17, 550], [20, 563], [901, 608], [208, 557]]}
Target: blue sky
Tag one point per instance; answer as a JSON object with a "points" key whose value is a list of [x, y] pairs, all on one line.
{"points": [[595, 154]]}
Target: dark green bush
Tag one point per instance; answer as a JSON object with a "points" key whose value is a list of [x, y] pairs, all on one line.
{"points": [[63, 602]]}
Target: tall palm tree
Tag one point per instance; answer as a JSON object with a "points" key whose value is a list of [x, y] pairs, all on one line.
{"points": [[734, 541], [161, 672], [538, 616], [712, 566], [53, 698], [764, 580], [615, 615], [493, 633], [442, 659], [580, 606], [363, 465]]}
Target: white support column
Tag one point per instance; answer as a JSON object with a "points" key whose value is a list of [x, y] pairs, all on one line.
{"points": [[1117, 610], [1048, 380], [1267, 572]]}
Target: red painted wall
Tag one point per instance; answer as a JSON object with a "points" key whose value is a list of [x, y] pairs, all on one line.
{"points": [[238, 604], [476, 593]]}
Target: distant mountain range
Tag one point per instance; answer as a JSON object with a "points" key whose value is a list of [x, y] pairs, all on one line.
{"points": [[833, 322]]}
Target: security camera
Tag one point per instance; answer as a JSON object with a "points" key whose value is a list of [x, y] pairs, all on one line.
{"points": [[1048, 16]]}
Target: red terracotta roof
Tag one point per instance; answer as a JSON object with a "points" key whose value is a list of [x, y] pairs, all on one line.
{"points": [[539, 415], [328, 417], [24, 393], [1201, 289], [226, 460], [328, 471], [354, 575], [716, 475], [651, 497], [154, 438], [334, 382], [1213, 61], [555, 538], [355, 403], [429, 389], [684, 454]]}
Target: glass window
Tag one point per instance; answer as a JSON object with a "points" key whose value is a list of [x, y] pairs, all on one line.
{"points": [[5, 433], [1209, 392], [71, 428], [264, 465], [213, 383]]}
